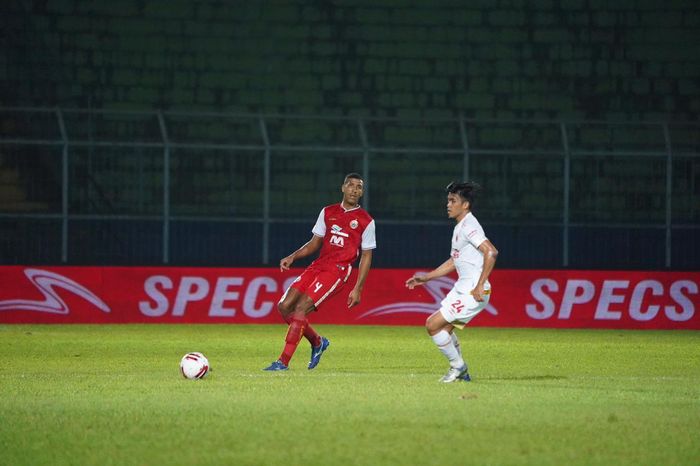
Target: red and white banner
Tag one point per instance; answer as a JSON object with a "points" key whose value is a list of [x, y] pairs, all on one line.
{"points": [[520, 298]]}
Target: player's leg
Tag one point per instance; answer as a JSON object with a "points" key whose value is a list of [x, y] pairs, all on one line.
{"points": [[441, 332], [286, 307], [324, 286], [455, 341], [297, 325], [458, 309], [287, 302], [465, 314], [312, 335], [441, 329], [309, 290]]}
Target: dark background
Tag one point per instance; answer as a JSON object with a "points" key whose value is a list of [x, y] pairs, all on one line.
{"points": [[581, 119]]}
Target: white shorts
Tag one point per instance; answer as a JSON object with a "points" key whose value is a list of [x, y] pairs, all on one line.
{"points": [[459, 308]]}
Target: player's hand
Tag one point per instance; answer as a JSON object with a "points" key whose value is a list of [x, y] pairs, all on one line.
{"points": [[416, 280], [478, 293], [353, 298], [286, 263]]}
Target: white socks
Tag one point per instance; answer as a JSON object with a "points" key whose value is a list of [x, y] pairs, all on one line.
{"points": [[455, 341], [446, 345]]}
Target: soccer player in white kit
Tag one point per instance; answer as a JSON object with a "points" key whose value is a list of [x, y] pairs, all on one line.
{"points": [[473, 257]]}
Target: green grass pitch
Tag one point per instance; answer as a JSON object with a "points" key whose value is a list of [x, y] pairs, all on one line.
{"points": [[101, 395]]}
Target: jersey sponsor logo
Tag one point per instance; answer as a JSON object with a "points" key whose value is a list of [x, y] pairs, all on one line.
{"points": [[338, 231], [45, 282], [337, 236]]}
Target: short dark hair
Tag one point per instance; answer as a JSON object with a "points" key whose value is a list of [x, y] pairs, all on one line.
{"points": [[466, 190], [354, 175]]}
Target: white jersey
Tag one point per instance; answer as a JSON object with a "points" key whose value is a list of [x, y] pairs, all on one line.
{"points": [[469, 261]]}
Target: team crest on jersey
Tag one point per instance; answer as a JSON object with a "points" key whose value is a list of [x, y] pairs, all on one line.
{"points": [[354, 224]]}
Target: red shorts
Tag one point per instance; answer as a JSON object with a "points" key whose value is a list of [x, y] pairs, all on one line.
{"points": [[320, 284]]}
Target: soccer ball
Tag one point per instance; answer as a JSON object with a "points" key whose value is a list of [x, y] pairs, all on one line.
{"points": [[194, 366]]}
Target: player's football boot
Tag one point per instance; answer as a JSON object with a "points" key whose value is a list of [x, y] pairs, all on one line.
{"points": [[459, 373], [276, 366], [317, 351]]}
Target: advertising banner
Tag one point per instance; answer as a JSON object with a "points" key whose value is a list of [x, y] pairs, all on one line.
{"points": [[520, 298]]}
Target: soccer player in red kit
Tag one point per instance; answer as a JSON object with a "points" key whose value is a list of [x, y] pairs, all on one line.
{"points": [[341, 232]]}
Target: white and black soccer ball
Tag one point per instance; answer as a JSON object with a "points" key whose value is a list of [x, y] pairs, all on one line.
{"points": [[194, 366]]}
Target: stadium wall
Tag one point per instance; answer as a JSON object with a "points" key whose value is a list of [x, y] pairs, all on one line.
{"points": [[218, 244], [624, 60], [534, 298]]}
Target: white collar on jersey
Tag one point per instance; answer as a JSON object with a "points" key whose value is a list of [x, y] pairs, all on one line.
{"points": [[348, 210]]}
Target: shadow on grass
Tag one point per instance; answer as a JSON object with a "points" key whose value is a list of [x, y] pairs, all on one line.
{"points": [[527, 377]]}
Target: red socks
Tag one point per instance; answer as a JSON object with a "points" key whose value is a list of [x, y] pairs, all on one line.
{"points": [[311, 335], [309, 332], [297, 325]]}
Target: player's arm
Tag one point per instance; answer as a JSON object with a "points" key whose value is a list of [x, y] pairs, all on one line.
{"points": [[418, 279], [307, 249], [365, 264], [490, 253]]}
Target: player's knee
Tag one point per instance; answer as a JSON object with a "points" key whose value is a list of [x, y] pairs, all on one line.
{"points": [[431, 326], [284, 308], [428, 326]]}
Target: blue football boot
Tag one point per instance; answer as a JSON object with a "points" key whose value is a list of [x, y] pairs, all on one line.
{"points": [[317, 351], [276, 366]]}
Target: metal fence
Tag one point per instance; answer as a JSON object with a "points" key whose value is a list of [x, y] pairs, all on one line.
{"points": [[103, 186]]}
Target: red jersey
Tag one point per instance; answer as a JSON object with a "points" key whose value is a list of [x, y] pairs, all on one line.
{"points": [[344, 233]]}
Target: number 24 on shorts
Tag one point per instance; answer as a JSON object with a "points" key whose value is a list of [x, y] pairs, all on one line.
{"points": [[458, 306]]}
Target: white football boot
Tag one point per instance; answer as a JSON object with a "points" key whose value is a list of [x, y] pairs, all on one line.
{"points": [[459, 373]]}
